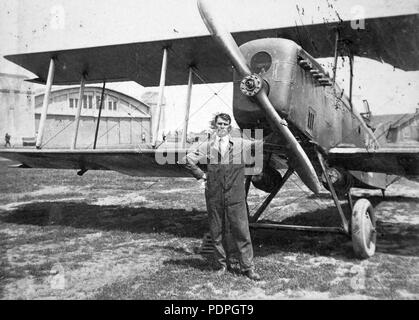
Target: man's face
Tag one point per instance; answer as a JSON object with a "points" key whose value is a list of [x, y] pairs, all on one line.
{"points": [[223, 127]]}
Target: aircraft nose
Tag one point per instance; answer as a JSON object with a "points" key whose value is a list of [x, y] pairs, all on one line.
{"points": [[251, 85]]}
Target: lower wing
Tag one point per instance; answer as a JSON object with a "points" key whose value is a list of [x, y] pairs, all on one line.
{"points": [[143, 163], [398, 161]]}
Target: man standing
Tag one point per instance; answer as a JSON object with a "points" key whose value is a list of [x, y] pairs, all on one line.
{"points": [[225, 193], [7, 139]]}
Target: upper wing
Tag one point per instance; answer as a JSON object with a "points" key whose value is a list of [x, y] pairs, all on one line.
{"points": [[398, 161], [390, 39], [144, 163]]}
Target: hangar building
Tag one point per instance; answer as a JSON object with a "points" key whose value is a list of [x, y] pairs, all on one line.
{"points": [[125, 121]]}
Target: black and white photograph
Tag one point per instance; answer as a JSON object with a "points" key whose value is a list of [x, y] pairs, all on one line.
{"points": [[226, 152]]}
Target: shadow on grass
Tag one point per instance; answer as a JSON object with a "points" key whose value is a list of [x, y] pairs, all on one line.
{"points": [[402, 240], [178, 222], [392, 238]]}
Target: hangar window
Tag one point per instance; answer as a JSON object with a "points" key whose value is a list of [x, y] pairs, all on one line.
{"points": [[85, 101], [110, 105], [73, 102], [90, 102], [97, 102], [114, 105]]}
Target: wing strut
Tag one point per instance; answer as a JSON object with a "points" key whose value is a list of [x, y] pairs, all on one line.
{"points": [[351, 77], [160, 99], [78, 111], [335, 61], [100, 113], [187, 109], [45, 104]]}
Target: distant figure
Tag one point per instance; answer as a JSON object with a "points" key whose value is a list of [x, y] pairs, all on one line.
{"points": [[7, 139], [143, 137]]}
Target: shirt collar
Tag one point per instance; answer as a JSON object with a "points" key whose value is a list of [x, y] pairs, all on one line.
{"points": [[226, 138], [216, 139]]}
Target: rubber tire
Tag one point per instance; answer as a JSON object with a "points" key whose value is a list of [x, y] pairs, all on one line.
{"points": [[363, 218]]}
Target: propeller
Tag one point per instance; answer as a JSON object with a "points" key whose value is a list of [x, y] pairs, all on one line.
{"points": [[252, 85]]}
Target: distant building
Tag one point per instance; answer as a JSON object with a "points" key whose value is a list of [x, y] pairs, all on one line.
{"points": [[16, 110], [151, 99], [397, 128], [124, 120]]}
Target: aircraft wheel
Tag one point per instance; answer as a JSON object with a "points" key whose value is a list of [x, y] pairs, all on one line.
{"points": [[363, 229]]}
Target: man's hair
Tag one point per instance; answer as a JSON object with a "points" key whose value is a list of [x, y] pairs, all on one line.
{"points": [[223, 116]]}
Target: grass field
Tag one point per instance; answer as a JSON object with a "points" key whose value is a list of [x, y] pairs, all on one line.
{"points": [[111, 236]]}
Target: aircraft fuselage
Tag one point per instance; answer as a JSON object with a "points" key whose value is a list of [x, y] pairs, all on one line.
{"points": [[301, 92]]}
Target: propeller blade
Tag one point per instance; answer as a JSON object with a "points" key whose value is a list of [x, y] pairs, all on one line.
{"points": [[297, 156], [223, 38], [300, 161]]}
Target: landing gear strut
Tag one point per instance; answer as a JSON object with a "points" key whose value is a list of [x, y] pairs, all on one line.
{"points": [[361, 227]]}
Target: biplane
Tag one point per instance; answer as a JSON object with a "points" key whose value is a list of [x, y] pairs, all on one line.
{"points": [[310, 125]]}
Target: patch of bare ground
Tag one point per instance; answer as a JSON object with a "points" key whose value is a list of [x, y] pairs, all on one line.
{"points": [[109, 236]]}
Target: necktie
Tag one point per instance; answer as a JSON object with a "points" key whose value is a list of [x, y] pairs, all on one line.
{"points": [[223, 145]]}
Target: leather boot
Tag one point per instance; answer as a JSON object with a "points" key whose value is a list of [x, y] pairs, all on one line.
{"points": [[252, 275]]}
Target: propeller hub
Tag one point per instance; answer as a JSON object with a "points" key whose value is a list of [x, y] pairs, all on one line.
{"points": [[251, 85]]}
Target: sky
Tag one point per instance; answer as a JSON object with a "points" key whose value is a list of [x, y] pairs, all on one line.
{"points": [[30, 26]]}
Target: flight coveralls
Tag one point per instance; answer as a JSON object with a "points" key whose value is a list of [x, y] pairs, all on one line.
{"points": [[225, 196]]}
